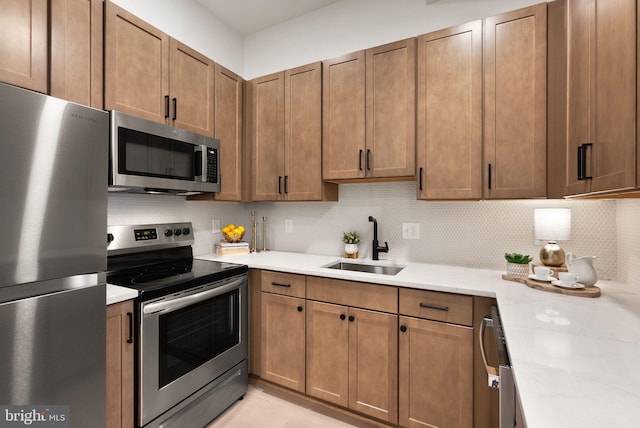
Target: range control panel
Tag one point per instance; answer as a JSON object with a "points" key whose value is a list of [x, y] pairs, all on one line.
{"points": [[135, 238]]}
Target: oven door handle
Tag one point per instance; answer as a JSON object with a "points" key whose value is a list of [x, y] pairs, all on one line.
{"points": [[180, 302]]}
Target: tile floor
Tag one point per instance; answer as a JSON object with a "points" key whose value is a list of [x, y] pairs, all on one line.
{"points": [[262, 410]]}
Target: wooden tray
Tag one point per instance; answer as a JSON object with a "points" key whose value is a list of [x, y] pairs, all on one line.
{"points": [[591, 291]]}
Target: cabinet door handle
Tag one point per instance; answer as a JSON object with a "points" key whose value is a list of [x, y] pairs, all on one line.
{"points": [[279, 185], [420, 178], [436, 307], [166, 106], [175, 108], [368, 160], [130, 316], [299, 308], [489, 179], [343, 317], [584, 161], [286, 181], [279, 284], [580, 155], [360, 160], [352, 318], [403, 328]]}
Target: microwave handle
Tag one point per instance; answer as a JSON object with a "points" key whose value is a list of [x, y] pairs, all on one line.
{"points": [[200, 162]]}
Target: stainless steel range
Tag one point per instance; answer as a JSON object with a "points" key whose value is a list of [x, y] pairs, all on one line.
{"points": [[191, 324]]}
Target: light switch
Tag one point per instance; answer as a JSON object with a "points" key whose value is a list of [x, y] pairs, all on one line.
{"points": [[410, 230]]}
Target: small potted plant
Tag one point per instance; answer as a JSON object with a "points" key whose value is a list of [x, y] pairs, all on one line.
{"points": [[350, 240], [517, 264]]}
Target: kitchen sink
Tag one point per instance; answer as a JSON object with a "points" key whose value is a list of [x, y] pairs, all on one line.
{"points": [[359, 267]]}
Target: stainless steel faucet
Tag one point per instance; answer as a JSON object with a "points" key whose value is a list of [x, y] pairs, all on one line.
{"points": [[376, 248]]}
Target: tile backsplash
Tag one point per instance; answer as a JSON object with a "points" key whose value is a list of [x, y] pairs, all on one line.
{"points": [[474, 234]]}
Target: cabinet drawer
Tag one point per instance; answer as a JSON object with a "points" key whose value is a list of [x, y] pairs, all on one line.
{"points": [[434, 305], [357, 294], [287, 284]]}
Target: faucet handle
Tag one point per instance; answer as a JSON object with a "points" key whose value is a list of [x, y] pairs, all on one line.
{"points": [[385, 249]]}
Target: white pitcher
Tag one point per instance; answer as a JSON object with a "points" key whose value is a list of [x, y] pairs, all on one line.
{"points": [[583, 267]]}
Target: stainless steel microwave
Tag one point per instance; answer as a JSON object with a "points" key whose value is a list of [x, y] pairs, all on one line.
{"points": [[149, 157]]}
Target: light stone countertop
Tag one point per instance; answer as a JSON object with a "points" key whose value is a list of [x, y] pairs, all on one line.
{"points": [[116, 294], [575, 360]]}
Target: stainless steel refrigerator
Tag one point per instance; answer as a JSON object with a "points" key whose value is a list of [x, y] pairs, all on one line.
{"points": [[53, 211]]}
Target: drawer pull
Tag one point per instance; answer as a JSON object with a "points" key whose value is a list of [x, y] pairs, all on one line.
{"points": [[130, 316], [278, 284], [436, 307]]}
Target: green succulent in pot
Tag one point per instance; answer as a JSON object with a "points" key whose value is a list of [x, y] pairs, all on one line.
{"points": [[517, 258], [517, 264], [350, 237]]}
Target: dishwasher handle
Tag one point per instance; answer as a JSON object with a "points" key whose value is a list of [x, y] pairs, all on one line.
{"points": [[493, 376]]}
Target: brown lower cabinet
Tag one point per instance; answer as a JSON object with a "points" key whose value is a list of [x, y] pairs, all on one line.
{"points": [[119, 404], [403, 357], [282, 329], [352, 358]]}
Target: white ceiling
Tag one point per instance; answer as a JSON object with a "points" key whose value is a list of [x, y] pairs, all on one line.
{"points": [[249, 16]]}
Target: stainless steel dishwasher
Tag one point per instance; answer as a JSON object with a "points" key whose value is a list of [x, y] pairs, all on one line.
{"points": [[500, 376]]}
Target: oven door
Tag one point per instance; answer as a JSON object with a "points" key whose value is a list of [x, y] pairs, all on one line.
{"points": [[187, 340]]}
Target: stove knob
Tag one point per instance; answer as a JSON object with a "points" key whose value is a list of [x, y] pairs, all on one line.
{"points": [[168, 232], [177, 232], [186, 231]]}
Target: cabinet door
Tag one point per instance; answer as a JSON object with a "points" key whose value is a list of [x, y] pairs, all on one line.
{"points": [[267, 137], [303, 133], [77, 44], [391, 110], [328, 352], [602, 94], [515, 104], [23, 43], [228, 129], [191, 85], [343, 117], [450, 113], [373, 364], [136, 66], [283, 340], [119, 369], [436, 374]]}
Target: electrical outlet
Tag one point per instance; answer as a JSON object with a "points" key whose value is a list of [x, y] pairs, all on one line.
{"points": [[288, 225], [216, 225], [410, 230]]}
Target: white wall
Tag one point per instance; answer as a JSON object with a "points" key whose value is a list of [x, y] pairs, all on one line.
{"points": [[351, 25], [628, 240], [189, 22]]}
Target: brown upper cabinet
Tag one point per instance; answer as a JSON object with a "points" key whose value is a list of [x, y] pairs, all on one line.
{"points": [[152, 76], [450, 113], [229, 92], [601, 96], [23, 43], [515, 104], [369, 113], [286, 135], [76, 72]]}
